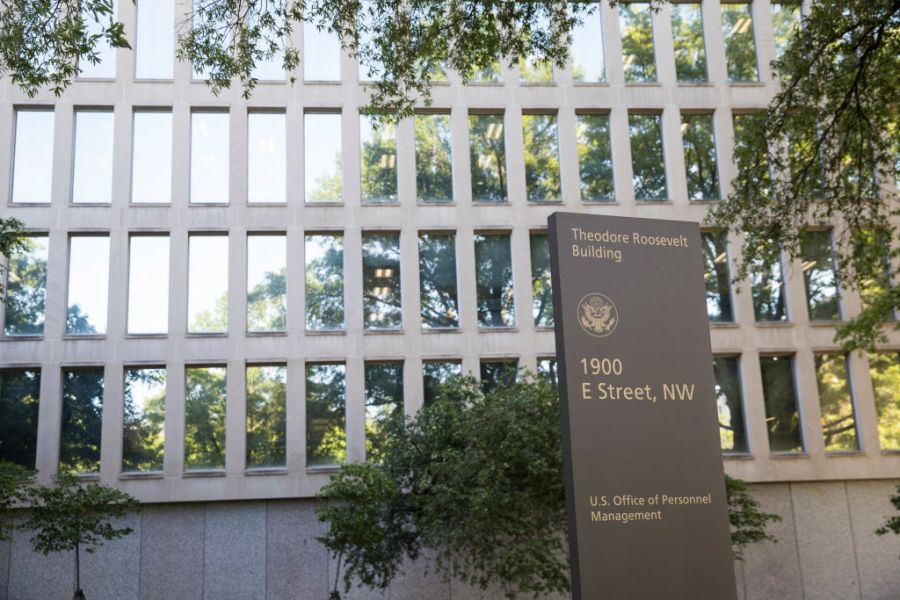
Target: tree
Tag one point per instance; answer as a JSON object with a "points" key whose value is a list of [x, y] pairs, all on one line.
{"points": [[12, 493], [11, 242], [892, 524]]}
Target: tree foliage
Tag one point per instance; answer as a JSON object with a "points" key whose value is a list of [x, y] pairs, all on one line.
{"points": [[12, 492], [892, 523], [11, 242]]}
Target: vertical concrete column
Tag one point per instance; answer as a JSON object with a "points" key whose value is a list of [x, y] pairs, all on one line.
{"points": [[49, 418], [808, 401], [663, 45], [459, 144], [353, 281], [122, 132], [235, 417], [568, 158], [356, 409], [173, 459], [517, 190], [295, 426], [673, 154], [764, 37], [863, 396], [237, 173], [181, 155], [294, 154], [715, 43], [7, 136], [63, 136], [754, 403], [113, 414], [406, 162], [520, 249], [465, 279], [350, 155], [621, 153]]}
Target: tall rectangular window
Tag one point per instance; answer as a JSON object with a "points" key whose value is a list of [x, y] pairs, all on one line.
{"points": [[20, 393], [700, 162], [494, 280], [785, 21], [747, 147], [434, 159], [209, 157], [154, 54], [548, 368], [105, 67], [836, 403], [266, 282], [151, 157], [321, 54], [88, 293], [82, 419], [780, 396], [541, 135], [324, 282], [767, 291], [207, 284], [93, 157], [541, 288], [326, 414], [148, 284], [532, 69], [740, 46], [266, 158], [437, 280], [595, 157], [487, 154], [143, 430], [378, 160], [822, 297], [382, 306], [322, 157], [32, 173], [687, 38], [26, 288], [586, 51], [717, 276], [384, 402], [730, 404], [266, 416], [498, 373], [884, 369], [647, 160], [434, 374], [636, 27], [206, 389]]}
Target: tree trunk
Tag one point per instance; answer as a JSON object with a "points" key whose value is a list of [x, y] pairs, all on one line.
{"points": [[79, 595]]}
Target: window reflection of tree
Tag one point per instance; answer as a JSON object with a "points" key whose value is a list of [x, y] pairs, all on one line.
{"points": [[740, 47], [767, 290], [144, 419], [730, 404], [541, 157], [434, 373], [381, 281], [647, 160], [595, 158], [782, 415], [437, 280], [26, 288], [487, 152], [690, 50], [494, 284], [326, 439], [541, 286], [496, 373], [20, 392], [82, 418], [638, 56], [378, 160], [204, 420], [434, 172], [324, 282], [716, 275], [835, 402], [884, 369], [266, 418], [384, 402], [700, 157], [819, 276]]}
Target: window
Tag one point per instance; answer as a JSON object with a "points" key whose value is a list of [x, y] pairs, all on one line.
{"points": [[498, 373], [93, 157], [730, 404], [647, 161], [207, 284], [700, 157], [268, 68], [82, 419], [154, 55], [105, 68], [782, 414], [435, 373], [836, 403], [687, 38], [785, 21], [266, 282], [595, 157], [437, 280], [148, 284], [209, 157], [382, 306], [26, 288], [494, 280], [204, 418], [151, 158], [636, 25], [326, 414], [321, 54], [378, 160], [487, 154], [88, 285], [586, 52], [20, 393], [541, 137], [747, 150], [322, 152], [531, 68], [324, 282], [434, 163], [884, 369], [33, 156], [548, 368], [143, 431], [489, 73], [716, 275], [384, 402], [266, 416], [819, 277], [266, 158], [767, 291], [541, 285], [740, 47]]}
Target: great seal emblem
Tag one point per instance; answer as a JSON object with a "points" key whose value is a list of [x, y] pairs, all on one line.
{"points": [[597, 315]]}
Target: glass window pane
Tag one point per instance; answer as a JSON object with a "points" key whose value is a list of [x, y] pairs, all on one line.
{"points": [[785, 21], [381, 281], [497, 373], [884, 369], [209, 157], [548, 368], [88, 284], [384, 401], [143, 433], [717, 276], [531, 68], [82, 419], [541, 286], [434, 164], [699, 142], [26, 288], [647, 161], [33, 156], [586, 51], [818, 274], [321, 54], [148, 284], [494, 280], [266, 283], [154, 55], [105, 67], [266, 416], [595, 158], [488, 74], [378, 160], [487, 154], [322, 149], [836, 403], [437, 280], [93, 154], [20, 393], [636, 25], [269, 68], [325, 281], [746, 144], [740, 47], [687, 37], [204, 417], [436, 372], [541, 158], [266, 158], [782, 414], [326, 415], [767, 289], [730, 404], [151, 158], [208, 284]]}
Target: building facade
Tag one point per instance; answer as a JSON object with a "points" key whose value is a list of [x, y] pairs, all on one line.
{"points": [[220, 295]]}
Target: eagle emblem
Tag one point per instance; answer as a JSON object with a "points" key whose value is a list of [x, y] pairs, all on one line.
{"points": [[597, 315]]}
